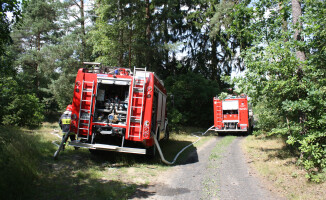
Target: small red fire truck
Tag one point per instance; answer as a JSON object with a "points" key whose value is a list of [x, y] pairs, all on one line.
{"points": [[115, 109], [232, 114]]}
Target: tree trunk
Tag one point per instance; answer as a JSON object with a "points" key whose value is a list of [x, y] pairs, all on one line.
{"points": [[214, 59], [288, 124], [166, 52], [82, 23], [38, 41], [296, 14], [130, 37], [81, 19], [148, 35], [121, 34], [37, 81]]}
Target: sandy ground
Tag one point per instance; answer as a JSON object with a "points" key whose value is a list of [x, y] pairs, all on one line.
{"points": [[228, 177]]}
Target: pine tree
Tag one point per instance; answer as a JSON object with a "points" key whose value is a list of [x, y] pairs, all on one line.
{"points": [[36, 30]]}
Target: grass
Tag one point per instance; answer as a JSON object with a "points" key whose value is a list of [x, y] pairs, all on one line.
{"points": [[220, 147], [270, 158], [211, 188], [28, 166]]}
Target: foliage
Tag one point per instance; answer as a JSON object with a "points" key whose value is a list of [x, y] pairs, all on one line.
{"points": [[289, 94], [50, 46], [191, 99], [123, 37], [223, 96], [118, 42], [7, 6], [32, 35], [24, 110], [231, 23], [267, 118], [52, 39], [19, 108]]}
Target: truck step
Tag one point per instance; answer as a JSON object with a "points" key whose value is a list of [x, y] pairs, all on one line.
{"points": [[135, 126], [107, 147]]}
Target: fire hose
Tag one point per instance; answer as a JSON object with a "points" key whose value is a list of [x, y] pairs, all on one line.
{"points": [[156, 144], [176, 157]]}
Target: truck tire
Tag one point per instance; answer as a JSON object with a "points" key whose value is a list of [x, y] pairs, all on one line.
{"points": [[151, 151]]}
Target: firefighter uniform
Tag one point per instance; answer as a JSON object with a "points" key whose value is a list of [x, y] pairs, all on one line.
{"points": [[64, 123]]}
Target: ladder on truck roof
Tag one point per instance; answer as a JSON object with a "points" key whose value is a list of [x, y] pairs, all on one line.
{"points": [[85, 108], [138, 86]]}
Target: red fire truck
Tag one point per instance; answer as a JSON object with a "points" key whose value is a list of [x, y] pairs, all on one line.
{"points": [[115, 109], [232, 114]]}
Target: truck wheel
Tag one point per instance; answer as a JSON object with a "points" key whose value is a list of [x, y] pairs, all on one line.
{"points": [[151, 152]]}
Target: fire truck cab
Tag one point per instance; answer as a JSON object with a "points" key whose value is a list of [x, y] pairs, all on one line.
{"points": [[115, 109], [232, 114]]}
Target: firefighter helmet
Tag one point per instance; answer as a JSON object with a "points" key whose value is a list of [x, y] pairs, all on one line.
{"points": [[69, 107]]}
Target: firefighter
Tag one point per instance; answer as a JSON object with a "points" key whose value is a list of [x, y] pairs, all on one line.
{"points": [[64, 123]]}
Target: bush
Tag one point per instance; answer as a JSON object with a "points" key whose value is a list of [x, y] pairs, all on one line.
{"points": [[24, 110], [268, 118], [19, 108]]}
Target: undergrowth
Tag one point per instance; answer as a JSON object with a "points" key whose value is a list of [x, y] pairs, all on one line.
{"points": [[20, 153], [27, 165]]}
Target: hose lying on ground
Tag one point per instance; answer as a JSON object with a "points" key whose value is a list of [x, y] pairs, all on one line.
{"points": [[55, 142], [176, 157]]}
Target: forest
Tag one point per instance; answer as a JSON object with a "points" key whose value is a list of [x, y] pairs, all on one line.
{"points": [[272, 50]]}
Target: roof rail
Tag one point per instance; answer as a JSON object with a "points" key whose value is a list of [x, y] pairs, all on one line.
{"points": [[91, 63]]}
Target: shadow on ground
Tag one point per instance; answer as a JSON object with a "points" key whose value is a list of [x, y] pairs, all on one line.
{"points": [[75, 173], [169, 149]]}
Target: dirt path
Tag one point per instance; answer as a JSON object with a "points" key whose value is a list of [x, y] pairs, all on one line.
{"points": [[227, 177], [235, 179]]}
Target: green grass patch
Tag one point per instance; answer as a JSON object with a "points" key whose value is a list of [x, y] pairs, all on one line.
{"points": [[27, 165], [220, 147], [210, 186], [21, 153]]}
